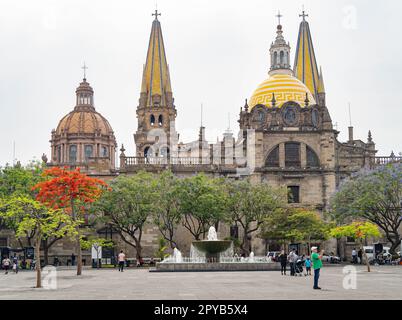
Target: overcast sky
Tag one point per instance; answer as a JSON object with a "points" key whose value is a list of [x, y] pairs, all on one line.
{"points": [[218, 52]]}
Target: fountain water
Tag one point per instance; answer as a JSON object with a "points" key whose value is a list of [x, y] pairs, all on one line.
{"points": [[177, 258], [214, 255]]}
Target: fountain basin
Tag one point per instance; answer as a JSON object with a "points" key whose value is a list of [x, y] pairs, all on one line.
{"points": [[215, 267], [212, 247]]}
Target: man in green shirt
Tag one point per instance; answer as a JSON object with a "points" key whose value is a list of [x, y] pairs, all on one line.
{"points": [[317, 265]]}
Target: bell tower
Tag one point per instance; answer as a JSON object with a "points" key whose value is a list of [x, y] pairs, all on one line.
{"points": [[156, 113]]}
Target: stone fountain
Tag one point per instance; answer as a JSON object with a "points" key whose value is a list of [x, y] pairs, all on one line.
{"points": [[213, 255], [211, 249]]}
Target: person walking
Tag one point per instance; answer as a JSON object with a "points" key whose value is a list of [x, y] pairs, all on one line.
{"points": [[292, 261], [15, 264], [307, 263], [354, 256], [72, 259], [283, 259], [122, 259], [317, 265], [360, 256], [6, 264]]}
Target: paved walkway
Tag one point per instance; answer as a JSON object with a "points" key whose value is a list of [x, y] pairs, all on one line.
{"points": [[383, 282]]}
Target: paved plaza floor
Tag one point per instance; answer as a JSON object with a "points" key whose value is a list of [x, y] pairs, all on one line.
{"points": [[384, 282]]}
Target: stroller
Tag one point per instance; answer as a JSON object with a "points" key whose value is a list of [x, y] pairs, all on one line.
{"points": [[299, 267]]}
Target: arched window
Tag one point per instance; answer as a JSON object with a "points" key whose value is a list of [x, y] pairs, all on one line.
{"points": [[152, 120], [282, 54], [164, 152], [275, 58], [104, 152], [73, 153], [148, 152], [59, 153], [273, 158], [160, 120], [312, 158], [88, 151], [292, 155]]}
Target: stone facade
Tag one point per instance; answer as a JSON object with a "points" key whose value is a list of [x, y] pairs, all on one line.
{"points": [[288, 140]]}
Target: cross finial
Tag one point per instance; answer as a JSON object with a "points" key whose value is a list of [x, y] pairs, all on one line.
{"points": [[156, 14], [84, 67], [304, 15], [279, 16]]}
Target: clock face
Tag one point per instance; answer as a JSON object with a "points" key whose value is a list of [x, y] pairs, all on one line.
{"points": [[290, 116], [314, 118]]}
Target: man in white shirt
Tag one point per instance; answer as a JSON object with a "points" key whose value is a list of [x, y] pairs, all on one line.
{"points": [[354, 256], [122, 259]]}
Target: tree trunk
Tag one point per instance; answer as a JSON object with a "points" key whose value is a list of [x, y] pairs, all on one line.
{"points": [[365, 256], [138, 251], [37, 265], [78, 242], [394, 246], [79, 254]]}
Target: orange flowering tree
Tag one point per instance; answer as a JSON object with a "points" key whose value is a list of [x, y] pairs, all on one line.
{"points": [[357, 230], [71, 191]]}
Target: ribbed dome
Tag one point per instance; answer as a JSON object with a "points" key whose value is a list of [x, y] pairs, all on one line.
{"points": [[286, 88], [80, 121]]}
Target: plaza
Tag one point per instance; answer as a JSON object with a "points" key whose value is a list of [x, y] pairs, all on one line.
{"points": [[384, 282]]}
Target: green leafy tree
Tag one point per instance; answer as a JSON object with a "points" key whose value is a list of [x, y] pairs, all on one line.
{"points": [[376, 196], [201, 203], [295, 224], [128, 206], [166, 215], [358, 231], [306, 225], [32, 215], [250, 205], [19, 180], [96, 243]]}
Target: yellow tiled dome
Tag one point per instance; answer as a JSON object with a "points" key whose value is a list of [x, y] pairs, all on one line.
{"points": [[286, 88], [80, 121]]}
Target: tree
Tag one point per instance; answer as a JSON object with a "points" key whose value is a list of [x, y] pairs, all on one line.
{"points": [[250, 205], [33, 215], [358, 231], [97, 244], [201, 203], [166, 215], [306, 225], [127, 207], [19, 180], [71, 191], [376, 196]]}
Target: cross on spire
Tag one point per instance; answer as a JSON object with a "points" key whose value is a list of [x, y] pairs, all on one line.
{"points": [[84, 67], [279, 16], [304, 15], [156, 14]]}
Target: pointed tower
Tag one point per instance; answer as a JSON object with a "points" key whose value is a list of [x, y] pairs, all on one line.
{"points": [[305, 66], [321, 90], [156, 112]]}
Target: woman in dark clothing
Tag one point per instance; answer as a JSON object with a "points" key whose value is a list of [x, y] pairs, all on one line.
{"points": [[283, 258]]}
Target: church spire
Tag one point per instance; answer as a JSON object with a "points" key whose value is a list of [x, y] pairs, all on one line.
{"points": [[280, 52], [305, 66], [156, 88]]}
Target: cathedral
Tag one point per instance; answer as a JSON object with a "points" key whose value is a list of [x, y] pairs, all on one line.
{"points": [[286, 135]]}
